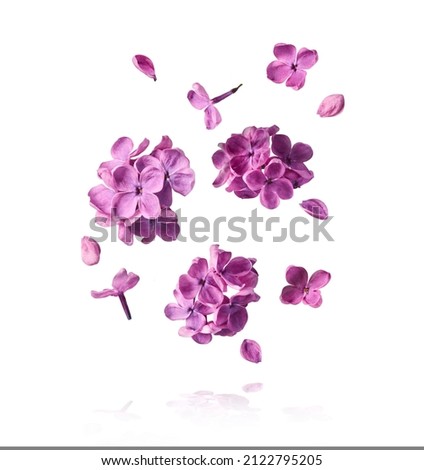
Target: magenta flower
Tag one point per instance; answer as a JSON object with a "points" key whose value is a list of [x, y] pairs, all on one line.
{"points": [[136, 191], [199, 99], [291, 66], [271, 183], [90, 251], [251, 351], [316, 208], [145, 65], [331, 106], [301, 290], [122, 282]]}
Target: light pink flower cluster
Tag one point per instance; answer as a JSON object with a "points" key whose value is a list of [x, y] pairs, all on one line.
{"points": [[137, 191], [260, 162], [203, 299]]}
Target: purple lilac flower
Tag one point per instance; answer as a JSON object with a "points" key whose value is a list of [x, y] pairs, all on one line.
{"points": [[260, 162], [289, 66], [331, 106], [202, 299], [145, 65], [122, 282], [90, 251], [251, 351], [137, 190], [300, 289], [199, 99]]}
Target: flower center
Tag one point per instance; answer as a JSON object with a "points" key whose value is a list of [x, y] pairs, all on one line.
{"points": [[139, 190], [306, 290], [294, 67]]}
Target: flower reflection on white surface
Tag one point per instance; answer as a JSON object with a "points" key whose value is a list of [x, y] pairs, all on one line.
{"points": [[122, 413], [208, 408], [307, 413], [254, 387]]}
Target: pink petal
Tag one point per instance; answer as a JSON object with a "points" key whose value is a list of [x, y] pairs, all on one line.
{"points": [[174, 160], [183, 181], [237, 318], [297, 80], [316, 208], [104, 293], [278, 72], [141, 148], [297, 276], [251, 351], [291, 295], [285, 52], [282, 187], [202, 338], [125, 205], [199, 89], [300, 153], [313, 299], [237, 145], [147, 160], [255, 179], [331, 106], [122, 148], [151, 179], [198, 269], [306, 58], [319, 279], [275, 169], [149, 205], [196, 321], [175, 312], [165, 143], [220, 159], [124, 281], [210, 294], [188, 286], [212, 117], [145, 65], [197, 101], [269, 198], [125, 178], [90, 251], [101, 198]]}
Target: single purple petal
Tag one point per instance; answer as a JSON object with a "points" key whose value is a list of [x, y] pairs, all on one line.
{"points": [[281, 146], [291, 295], [198, 102], [238, 266], [269, 198], [319, 279], [148, 160], [223, 176], [237, 145], [255, 180], [149, 205], [183, 181], [244, 297], [275, 169], [125, 233], [220, 159], [298, 177], [145, 65], [316, 208], [125, 178], [296, 80], [122, 148], [297, 276], [237, 318], [165, 195], [285, 52], [165, 143], [202, 338], [210, 294], [101, 198], [278, 72], [90, 251], [300, 153], [140, 149], [125, 205], [124, 281], [200, 90], [331, 106], [198, 269], [251, 351], [212, 117], [196, 321], [151, 180], [174, 160], [188, 286], [104, 293], [282, 187], [313, 298], [306, 58]]}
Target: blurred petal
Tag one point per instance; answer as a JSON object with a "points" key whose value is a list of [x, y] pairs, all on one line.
{"points": [[285, 52], [278, 72], [316, 208], [145, 65], [291, 295], [121, 149], [297, 276], [331, 106], [251, 351], [296, 80], [90, 251], [319, 279], [306, 58], [212, 117]]}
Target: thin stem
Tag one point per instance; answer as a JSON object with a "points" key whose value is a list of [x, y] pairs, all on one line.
{"points": [[219, 98], [125, 306]]}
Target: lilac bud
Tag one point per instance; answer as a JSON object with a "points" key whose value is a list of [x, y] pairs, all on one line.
{"points": [[145, 65], [316, 208], [251, 351], [90, 251], [331, 106]]}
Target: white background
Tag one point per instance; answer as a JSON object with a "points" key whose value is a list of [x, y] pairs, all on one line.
{"points": [[348, 373]]}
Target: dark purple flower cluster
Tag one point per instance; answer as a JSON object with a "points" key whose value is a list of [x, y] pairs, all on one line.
{"points": [[203, 300], [137, 191], [260, 162]]}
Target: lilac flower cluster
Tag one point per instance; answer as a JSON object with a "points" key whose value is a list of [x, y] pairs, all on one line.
{"points": [[137, 191], [260, 162], [203, 300]]}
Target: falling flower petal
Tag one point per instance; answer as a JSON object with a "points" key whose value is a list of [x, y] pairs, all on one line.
{"points": [[316, 208], [331, 106], [251, 351], [145, 65], [90, 251]]}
